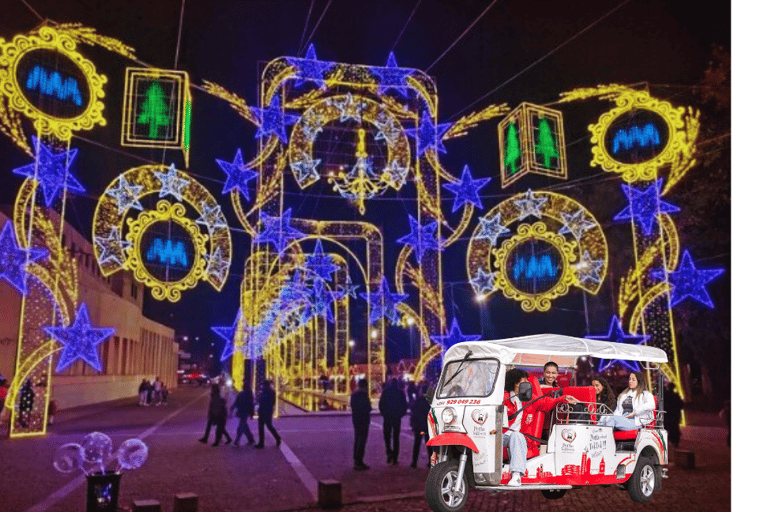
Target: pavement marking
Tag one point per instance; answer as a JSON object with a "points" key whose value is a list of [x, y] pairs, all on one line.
{"points": [[309, 481], [68, 488]]}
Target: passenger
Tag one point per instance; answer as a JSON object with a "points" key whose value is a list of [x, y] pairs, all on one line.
{"points": [[634, 407], [513, 438], [549, 379], [605, 394]]}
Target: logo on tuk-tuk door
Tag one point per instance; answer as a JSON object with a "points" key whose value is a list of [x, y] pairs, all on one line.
{"points": [[479, 416], [569, 435]]}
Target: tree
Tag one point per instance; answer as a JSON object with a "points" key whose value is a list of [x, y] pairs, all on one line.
{"points": [[512, 153], [154, 110], [546, 146]]}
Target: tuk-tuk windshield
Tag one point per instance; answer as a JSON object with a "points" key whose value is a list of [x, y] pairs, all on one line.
{"points": [[469, 377]]}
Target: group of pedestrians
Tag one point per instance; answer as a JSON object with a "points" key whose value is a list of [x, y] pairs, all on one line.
{"points": [[153, 393], [393, 405], [243, 408]]}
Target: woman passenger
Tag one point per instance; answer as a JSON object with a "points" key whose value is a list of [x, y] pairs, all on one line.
{"points": [[634, 407], [605, 394]]}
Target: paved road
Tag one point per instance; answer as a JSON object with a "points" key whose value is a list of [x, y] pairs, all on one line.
{"points": [[285, 478]]}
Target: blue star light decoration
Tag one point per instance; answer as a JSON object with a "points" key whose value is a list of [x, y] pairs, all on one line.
{"points": [[421, 238], [306, 168], [529, 205], [320, 264], [227, 333], [384, 303], [14, 261], [171, 183], [238, 175], [491, 229], [588, 269], [483, 282], [688, 281], [644, 206], [350, 108], [278, 231], [616, 334], [427, 135], [212, 218], [273, 120], [126, 195], [321, 302], [309, 68], [51, 170], [80, 340], [347, 289], [466, 190], [454, 336], [392, 76]]}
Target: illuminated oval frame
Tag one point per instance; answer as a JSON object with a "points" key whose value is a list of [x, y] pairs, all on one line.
{"points": [[398, 151], [137, 228], [49, 38], [106, 217], [590, 247], [647, 170], [536, 231]]}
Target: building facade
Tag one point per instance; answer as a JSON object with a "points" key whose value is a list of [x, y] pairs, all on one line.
{"points": [[139, 349]]}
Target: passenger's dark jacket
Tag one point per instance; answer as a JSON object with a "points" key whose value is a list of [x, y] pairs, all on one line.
{"points": [[361, 408], [419, 413]]}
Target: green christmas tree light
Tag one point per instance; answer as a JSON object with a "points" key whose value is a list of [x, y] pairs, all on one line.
{"points": [[512, 152], [546, 147], [154, 110]]}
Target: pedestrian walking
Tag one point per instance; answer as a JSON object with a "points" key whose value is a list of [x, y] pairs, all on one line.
{"points": [[143, 390], [419, 412], [266, 409], [219, 410], [361, 421], [244, 407], [411, 393], [673, 407], [393, 407], [157, 391], [725, 415]]}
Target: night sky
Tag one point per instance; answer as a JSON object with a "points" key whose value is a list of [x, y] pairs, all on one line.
{"points": [[537, 49]]}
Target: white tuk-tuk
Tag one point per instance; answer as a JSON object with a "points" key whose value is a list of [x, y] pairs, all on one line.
{"points": [[568, 448]]}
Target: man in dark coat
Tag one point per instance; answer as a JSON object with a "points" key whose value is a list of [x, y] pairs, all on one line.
{"points": [[361, 421], [393, 407], [218, 411], [244, 406], [419, 412], [266, 409], [673, 405]]}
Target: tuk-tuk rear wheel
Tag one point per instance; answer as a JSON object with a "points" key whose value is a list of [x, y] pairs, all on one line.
{"points": [[439, 488], [553, 494]]}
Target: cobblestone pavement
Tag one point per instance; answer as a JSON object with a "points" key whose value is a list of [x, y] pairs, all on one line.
{"points": [[314, 448]]}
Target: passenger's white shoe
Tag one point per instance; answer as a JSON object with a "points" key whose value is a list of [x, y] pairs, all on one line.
{"points": [[515, 482]]}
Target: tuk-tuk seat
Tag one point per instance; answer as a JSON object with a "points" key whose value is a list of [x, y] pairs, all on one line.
{"points": [[586, 394]]}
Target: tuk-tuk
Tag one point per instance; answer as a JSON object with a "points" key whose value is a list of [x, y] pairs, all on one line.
{"points": [[569, 448]]}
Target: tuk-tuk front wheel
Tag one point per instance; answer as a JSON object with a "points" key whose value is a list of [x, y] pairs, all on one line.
{"points": [[644, 480], [441, 481]]}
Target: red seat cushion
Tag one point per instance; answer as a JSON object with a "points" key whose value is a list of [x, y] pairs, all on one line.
{"points": [[628, 435], [583, 394]]}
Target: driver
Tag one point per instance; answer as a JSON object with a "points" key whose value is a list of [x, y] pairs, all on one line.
{"points": [[513, 438]]}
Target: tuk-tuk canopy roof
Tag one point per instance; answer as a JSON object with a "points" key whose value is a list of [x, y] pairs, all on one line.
{"points": [[539, 349]]}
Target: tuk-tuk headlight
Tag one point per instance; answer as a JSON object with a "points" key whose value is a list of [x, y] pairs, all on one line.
{"points": [[449, 415]]}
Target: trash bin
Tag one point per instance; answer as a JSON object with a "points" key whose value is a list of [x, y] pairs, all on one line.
{"points": [[103, 492]]}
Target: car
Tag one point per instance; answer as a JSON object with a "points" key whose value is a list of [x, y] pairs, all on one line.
{"points": [[465, 425]]}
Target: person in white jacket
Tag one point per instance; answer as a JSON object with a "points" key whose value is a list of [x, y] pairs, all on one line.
{"points": [[634, 407]]}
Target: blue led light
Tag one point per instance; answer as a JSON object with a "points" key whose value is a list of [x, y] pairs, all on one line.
{"points": [[466, 190], [165, 251], [51, 170], [384, 303], [454, 336], [51, 84], [534, 268], [238, 175], [427, 134], [80, 340], [643, 137], [688, 281], [616, 335], [421, 238], [392, 76], [644, 206], [14, 261]]}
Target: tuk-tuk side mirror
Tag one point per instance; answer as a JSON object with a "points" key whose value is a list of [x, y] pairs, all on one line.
{"points": [[430, 394], [525, 391]]}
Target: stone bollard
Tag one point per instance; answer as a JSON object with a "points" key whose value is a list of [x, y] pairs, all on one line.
{"points": [[328, 493], [685, 459], [146, 506], [185, 502]]}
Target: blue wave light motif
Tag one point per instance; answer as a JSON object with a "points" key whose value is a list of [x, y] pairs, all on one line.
{"points": [[168, 252], [646, 136], [53, 85], [534, 268]]}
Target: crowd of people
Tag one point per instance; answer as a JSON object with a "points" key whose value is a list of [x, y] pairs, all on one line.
{"points": [[243, 406], [153, 393]]}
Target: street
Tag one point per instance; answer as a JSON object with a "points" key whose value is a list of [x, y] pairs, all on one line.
{"points": [[316, 447]]}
